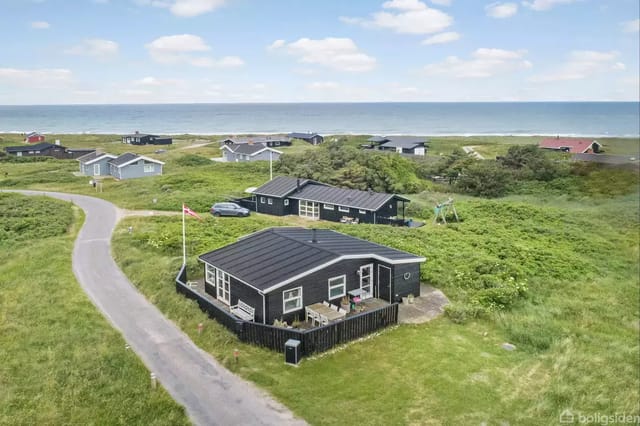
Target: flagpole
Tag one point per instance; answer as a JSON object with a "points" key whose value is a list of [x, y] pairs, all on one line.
{"points": [[184, 240]]}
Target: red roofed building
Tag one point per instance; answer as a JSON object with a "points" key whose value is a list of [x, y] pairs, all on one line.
{"points": [[572, 145], [34, 137]]}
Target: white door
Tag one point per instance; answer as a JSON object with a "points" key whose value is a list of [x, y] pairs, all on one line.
{"points": [[366, 280], [96, 169], [309, 209]]}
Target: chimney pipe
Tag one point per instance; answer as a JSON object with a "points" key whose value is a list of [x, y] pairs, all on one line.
{"points": [[313, 236], [298, 184]]}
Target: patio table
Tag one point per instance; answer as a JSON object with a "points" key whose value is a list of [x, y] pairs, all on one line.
{"points": [[326, 312]]}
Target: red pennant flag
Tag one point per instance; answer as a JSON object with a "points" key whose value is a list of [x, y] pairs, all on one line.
{"points": [[187, 210]]}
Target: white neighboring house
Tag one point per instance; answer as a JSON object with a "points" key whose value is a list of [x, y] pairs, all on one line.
{"points": [[249, 152]]}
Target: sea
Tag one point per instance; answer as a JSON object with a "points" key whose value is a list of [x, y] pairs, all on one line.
{"points": [[595, 119]]}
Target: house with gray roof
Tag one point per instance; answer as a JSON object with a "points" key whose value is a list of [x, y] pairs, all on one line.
{"points": [[138, 138], [410, 145], [312, 138], [314, 200], [95, 163], [270, 141], [249, 152], [279, 271], [45, 149], [129, 166]]}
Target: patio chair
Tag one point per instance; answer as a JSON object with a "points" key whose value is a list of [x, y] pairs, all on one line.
{"points": [[323, 320], [342, 311], [311, 315], [333, 307], [325, 303]]}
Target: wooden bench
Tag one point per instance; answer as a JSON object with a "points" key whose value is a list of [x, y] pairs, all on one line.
{"points": [[244, 311]]}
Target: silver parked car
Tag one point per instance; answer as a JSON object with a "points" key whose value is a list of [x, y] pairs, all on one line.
{"points": [[228, 209]]}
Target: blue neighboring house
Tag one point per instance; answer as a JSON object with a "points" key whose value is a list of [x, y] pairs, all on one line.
{"points": [[95, 163], [129, 166]]}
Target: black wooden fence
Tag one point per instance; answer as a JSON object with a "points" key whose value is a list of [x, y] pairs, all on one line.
{"points": [[312, 341]]}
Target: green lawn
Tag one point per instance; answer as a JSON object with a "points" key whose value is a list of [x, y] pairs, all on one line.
{"points": [[60, 361]]}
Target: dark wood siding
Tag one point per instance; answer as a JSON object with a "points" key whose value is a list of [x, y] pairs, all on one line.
{"points": [[250, 296], [276, 209], [402, 287], [389, 209], [315, 288], [240, 291]]}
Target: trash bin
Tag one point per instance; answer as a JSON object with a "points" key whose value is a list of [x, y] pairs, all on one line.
{"points": [[292, 352]]}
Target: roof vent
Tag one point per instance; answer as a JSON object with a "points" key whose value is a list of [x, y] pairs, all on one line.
{"points": [[370, 191]]}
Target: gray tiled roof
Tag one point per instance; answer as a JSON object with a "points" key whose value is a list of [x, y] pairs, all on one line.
{"points": [[365, 200], [247, 148], [25, 148], [280, 186], [257, 139], [269, 257], [404, 141], [124, 158], [298, 135], [139, 135]]}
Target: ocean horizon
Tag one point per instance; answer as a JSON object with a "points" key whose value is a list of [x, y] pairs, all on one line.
{"points": [[594, 119]]}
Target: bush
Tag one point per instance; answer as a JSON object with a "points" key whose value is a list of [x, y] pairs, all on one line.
{"points": [[460, 313], [192, 160]]}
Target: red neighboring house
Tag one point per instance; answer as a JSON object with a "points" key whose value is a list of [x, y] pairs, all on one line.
{"points": [[34, 137], [572, 145]]}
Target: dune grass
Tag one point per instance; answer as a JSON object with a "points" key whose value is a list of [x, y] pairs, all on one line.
{"points": [[576, 329], [60, 360]]}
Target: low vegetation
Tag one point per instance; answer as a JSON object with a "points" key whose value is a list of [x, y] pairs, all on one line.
{"points": [[61, 362], [551, 267]]}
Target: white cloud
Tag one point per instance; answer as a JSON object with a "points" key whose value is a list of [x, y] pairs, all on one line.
{"points": [[406, 17], [185, 8], [483, 63], [541, 5], [185, 48], [442, 2], [340, 54], [225, 62], [94, 47], [631, 26], [442, 38], [501, 10], [582, 64], [40, 78], [40, 25], [175, 48], [323, 85], [157, 82], [276, 44], [190, 8]]}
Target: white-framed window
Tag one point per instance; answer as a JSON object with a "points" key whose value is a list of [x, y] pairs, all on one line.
{"points": [[291, 300], [343, 209], [262, 200], [328, 206], [337, 286], [210, 274], [149, 168], [277, 143], [286, 202], [270, 201], [223, 284], [362, 211], [309, 209]]}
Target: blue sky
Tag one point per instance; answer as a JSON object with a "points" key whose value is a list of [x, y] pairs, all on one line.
{"points": [[171, 51]]}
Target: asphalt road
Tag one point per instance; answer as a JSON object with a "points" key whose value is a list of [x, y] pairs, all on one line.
{"points": [[209, 392]]}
